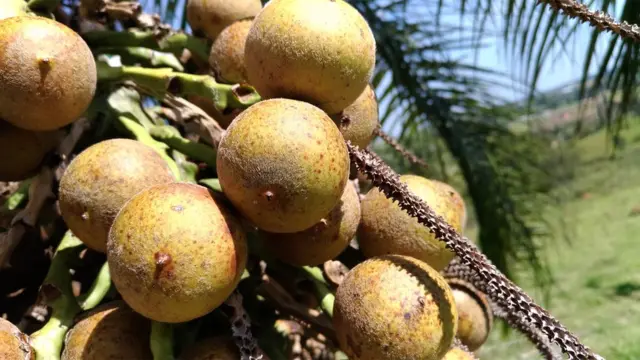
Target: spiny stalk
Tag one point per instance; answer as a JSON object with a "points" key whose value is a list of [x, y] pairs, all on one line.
{"points": [[399, 148], [598, 19], [500, 289]]}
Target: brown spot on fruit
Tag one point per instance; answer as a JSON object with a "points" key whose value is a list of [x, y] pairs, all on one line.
{"points": [[164, 265]]}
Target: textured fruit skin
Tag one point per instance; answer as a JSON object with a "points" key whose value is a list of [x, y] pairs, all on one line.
{"points": [[23, 151], [394, 307], [174, 253], [47, 71], [358, 122], [211, 16], [212, 348], [101, 179], [323, 241], [458, 354], [109, 331], [387, 229], [14, 345], [475, 318], [318, 51], [11, 8], [458, 201], [227, 53], [283, 164]]}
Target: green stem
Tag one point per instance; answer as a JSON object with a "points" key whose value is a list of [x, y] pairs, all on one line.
{"points": [[198, 151], [18, 197], [98, 290], [43, 5], [188, 170], [56, 288], [174, 42], [161, 341], [163, 80], [141, 134], [152, 57], [213, 184], [323, 293]]}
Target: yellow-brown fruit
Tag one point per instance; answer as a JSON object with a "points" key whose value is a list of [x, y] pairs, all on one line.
{"points": [[475, 318], [387, 229], [11, 8], [358, 122], [101, 179], [457, 200], [47, 71], [23, 151], [174, 253], [211, 16], [318, 51], [212, 348], [394, 307], [109, 331], [458, 354], [14, 345], [284, 164], [227, 53], [323, 241]]}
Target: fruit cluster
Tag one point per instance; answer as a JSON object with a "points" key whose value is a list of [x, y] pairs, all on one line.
{"points": [[286, 194]]}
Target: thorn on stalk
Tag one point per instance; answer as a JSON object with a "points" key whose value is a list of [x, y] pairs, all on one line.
{"points": [[241, 329]]}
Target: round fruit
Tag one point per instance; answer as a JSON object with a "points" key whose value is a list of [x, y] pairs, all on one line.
{"points": [[458, 354], [47, 71], [174, 253], [387, 229], [211, 16], [23, 151], [109, 331], [319, 51], [284, 164], [323, 241], [385, 302], [14, 345], [101, 179], [358, 122], [475, 318], [457, 200], [11, 8], [227, 53], [212, 348]]}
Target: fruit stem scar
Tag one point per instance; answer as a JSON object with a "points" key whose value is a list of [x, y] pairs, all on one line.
{"points": [[268, 195], [162, 260]]}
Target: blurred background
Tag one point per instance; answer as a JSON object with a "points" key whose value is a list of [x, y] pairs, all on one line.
{"points": [[534, 118]]}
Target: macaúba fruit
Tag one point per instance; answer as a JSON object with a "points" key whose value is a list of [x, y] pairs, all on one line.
{"points": [[358, 122], [47, 71], [227, 53], [475, 318], [387, 229], [394, 307], [174, 253], [458, 354], [323, 241], [101, 179], [318, 51], [457, 201], [212, 348], [11, 8], [109, 331], [23, 151], [283, 164], [210, 17], [14, 344]]}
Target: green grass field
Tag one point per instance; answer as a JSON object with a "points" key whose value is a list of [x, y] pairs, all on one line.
{"points": [[596, 267]]}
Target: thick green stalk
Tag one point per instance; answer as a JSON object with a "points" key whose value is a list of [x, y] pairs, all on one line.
{"points": [[161, 341], [141, 134], [98, 289], [163, 80], [326, 297], [198, 151], [137, 53], [173, 43], [56, 289], [18, 197]]}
